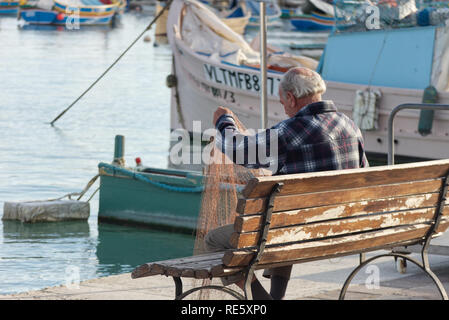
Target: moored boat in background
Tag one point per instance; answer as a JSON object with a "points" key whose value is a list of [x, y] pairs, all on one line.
{"points": [[9, 7], [273, 13], [215, 66], [313, 22], [236, 18], [313, 15], [72, 12]]}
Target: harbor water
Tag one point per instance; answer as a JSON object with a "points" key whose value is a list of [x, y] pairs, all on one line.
{"points": [[42, 71]]}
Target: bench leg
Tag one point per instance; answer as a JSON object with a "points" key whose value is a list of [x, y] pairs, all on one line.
{"points": [[423, 266], [227, 290], [178, 284], [247, 286]]}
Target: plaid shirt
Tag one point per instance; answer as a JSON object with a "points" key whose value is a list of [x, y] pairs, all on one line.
{"points": [[317, 138]]}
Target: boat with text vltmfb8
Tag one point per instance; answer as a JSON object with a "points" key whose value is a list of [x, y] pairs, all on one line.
{"points": [[386, 53]]}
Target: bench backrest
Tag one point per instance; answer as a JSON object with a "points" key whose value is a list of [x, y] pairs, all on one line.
{"points": [[336, 213]]}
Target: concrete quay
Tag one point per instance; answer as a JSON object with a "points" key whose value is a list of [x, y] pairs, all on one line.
{"points": [[318, 280]]}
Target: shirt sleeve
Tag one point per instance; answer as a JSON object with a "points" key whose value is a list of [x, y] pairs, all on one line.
{"points": [[250, 149]]}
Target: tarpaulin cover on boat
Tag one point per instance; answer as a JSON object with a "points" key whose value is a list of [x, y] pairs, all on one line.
{"points": [[207, 35]]}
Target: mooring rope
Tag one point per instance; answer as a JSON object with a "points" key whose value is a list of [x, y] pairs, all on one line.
{"points": [[113, 64], [141, 177]]}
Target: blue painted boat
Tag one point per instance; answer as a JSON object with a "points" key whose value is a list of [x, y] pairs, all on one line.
{"points": [[287, 13], [86, 7], [273, 12], [38, 16], [72, 13], [313, 22], [9, 7]]}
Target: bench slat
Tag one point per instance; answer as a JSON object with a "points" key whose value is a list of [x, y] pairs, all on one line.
{"points": [[322, 248], [338, 227], [186, 263], [247, 223], [344, 179], [324, 214], [308, 200]]}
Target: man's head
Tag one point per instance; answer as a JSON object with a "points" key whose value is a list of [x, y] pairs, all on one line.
{"points": [[298, 88]]}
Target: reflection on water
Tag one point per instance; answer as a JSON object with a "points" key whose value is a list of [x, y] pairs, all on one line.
{"points": [[120, 249], [17, 231], [38, 255]]}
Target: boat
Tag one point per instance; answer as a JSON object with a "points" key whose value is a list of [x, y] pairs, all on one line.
{"points": [[167, 199], [273, 13], [203, 78], [287, 12], [208, 75], [402, 59], [313, 22], [161, 24], [384, 68], [291, 3], [144, 196], [314, 15], [146, 6], [236, 17], [9, 7], [72, 12]]}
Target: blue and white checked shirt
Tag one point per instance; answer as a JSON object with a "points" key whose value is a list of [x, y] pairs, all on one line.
{"points": [[317, 138]]}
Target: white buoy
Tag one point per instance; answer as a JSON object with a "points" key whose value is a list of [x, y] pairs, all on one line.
{"points": [[50, 210]]}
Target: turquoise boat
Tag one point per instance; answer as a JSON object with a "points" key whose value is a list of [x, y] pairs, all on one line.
{"points": [[161, 198], [166, 199]]}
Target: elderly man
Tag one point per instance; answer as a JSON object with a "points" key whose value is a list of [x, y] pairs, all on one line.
{"points": [[315, 137]]}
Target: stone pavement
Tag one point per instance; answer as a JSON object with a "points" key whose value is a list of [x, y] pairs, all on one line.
{"points": [[312, 280]]}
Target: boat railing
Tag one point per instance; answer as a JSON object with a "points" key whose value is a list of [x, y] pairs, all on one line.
{"points": [[413, 106]]}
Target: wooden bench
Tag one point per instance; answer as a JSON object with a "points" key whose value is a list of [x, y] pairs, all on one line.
{"points": [[289, 219]]}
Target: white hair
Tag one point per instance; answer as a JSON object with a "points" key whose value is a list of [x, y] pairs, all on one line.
{"points": [[302, 84]]}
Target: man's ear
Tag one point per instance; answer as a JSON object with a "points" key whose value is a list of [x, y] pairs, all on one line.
{"points": [[290, 99]]}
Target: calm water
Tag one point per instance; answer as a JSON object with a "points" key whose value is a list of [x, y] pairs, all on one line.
{"points": [[41, 72]]}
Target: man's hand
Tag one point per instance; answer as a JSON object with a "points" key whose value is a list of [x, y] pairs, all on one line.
{"points": [[221, 111]]}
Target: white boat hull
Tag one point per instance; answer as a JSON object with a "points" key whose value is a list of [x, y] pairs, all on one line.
{"points": [[409, 142], [203, 84], [200, 96]]}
